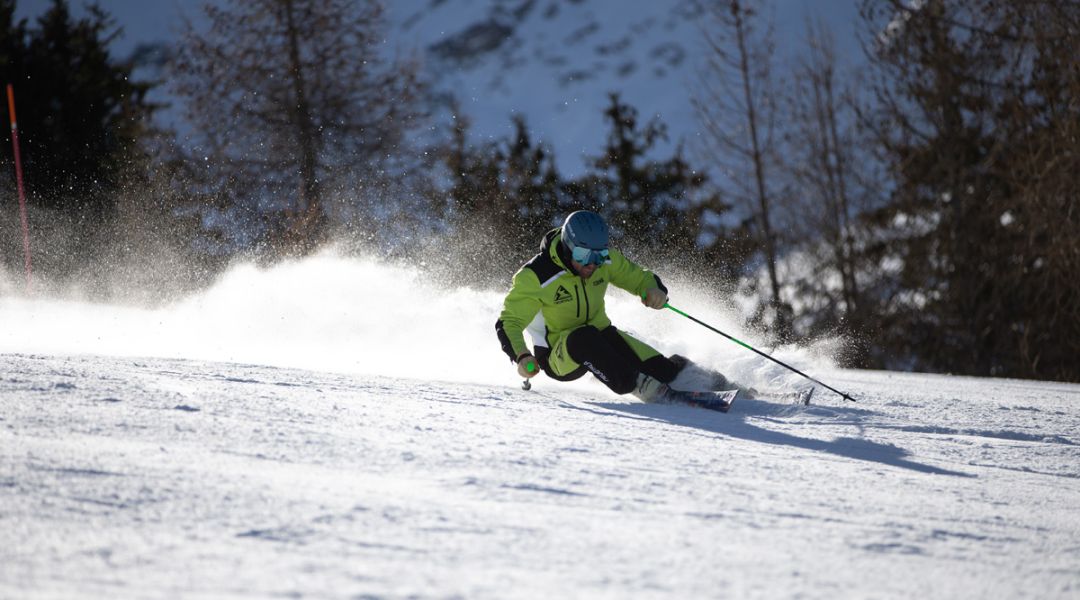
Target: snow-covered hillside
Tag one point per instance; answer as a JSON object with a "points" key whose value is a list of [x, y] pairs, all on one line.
{"points": [[557, 61], [553, 61], [338, 428]]}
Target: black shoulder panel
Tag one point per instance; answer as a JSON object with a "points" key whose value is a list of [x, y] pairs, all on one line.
{"points": [[544, 267]]}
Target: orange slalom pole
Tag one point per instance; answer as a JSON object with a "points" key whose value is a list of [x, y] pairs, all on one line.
{"points": [[19, 183]]}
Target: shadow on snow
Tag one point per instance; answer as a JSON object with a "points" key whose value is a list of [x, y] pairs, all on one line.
{"points": [[735, 424]]}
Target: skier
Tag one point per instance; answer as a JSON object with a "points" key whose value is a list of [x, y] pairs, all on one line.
{"points": [[558, 297]]}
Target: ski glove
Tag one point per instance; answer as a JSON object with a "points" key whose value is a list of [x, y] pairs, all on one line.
{"points": [[654, 298], [527, 367]]}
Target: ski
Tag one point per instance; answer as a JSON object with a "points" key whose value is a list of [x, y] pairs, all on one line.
{"points": [[719, 401], [798, 397], [721, 384]]}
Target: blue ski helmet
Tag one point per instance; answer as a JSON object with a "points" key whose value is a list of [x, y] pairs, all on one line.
{"points": [[586, 236]]}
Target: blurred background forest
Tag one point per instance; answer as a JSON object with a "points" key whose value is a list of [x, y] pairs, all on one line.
{"points": [[920, 202]]}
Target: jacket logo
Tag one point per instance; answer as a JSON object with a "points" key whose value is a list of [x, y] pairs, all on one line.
{"points": [[562, 295], [598, 282]]}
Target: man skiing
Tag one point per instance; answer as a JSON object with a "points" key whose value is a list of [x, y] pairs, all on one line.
{"points": [[558, 297]]}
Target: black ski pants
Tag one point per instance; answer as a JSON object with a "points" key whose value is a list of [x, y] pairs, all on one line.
{"points": [[606, 355]]}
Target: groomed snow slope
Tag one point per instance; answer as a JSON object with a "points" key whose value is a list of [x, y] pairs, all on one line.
{"points": [[363, 447]]}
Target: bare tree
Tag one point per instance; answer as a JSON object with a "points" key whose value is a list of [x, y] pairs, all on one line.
{"points": [[737, 109], [822, 159], [288, 98]]}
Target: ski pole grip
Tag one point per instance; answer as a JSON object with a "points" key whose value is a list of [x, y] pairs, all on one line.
{"points": [[645, 295]]}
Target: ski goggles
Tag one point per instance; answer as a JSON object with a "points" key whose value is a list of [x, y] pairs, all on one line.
{"points": [[588, 256]]}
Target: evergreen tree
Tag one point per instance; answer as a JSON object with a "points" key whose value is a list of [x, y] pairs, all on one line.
{"points": [[80, 114], [977, 115], [503, 196], [81, 118], [655, 204]]}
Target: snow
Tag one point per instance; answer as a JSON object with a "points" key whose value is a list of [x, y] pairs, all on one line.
{"points": [[339, 428]]}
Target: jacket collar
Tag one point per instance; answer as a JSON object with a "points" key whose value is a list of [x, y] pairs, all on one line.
{"points": [[552, 247]]}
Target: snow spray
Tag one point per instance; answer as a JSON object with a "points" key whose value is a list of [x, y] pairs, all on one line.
{"points": [[353, 315]]}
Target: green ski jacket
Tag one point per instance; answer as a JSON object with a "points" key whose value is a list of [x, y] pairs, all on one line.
{"points": [[549, 299]]}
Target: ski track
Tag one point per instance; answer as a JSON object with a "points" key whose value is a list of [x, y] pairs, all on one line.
{"points": [[133, 477]]}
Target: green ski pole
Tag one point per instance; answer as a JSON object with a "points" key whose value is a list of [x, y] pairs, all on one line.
{"points": [[759, 352]]}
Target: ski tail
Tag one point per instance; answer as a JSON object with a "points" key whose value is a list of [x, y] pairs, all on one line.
{"points": [[799, 397]]}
